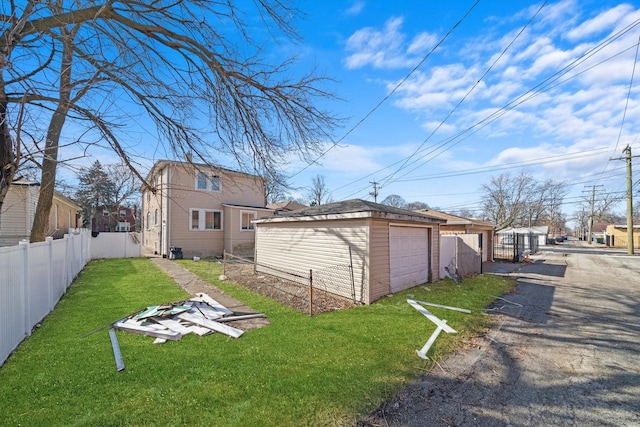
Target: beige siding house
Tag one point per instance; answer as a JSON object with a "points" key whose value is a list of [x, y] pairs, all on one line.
{"points": [[200, 209], [19, 209], [390, 249]]}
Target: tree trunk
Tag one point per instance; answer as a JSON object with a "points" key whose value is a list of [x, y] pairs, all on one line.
{"points": [[7, 156], [50, 162]]}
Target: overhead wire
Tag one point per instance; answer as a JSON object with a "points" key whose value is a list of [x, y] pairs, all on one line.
{"points": [[455, 108], [390, 94], [547, 84]]}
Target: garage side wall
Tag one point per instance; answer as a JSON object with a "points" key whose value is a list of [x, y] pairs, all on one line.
{"points": [[321, 246], [379, 283]]}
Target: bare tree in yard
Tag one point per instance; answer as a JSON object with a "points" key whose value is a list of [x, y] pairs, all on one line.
{"points": [[394, 200], [506, 197], [190, 67], [319, 192], [276, 188], [414, 206]]}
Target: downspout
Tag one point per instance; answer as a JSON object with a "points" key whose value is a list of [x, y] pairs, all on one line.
{"points": [[168, 228]]}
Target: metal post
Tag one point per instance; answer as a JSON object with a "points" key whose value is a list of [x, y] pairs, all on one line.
{"points": [[310, 292]]}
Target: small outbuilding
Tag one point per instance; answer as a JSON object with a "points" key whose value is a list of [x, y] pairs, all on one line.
{"points": [[387, 249]]}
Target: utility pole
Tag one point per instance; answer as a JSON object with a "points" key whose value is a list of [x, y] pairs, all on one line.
{"points": [[374, 193], [590, 221], [629, 202], [628, 158]]}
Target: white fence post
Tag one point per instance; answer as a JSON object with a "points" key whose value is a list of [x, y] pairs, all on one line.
{"points": [[51, 301], [26, 284]]}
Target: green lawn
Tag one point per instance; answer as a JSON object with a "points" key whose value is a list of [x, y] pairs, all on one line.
{"points": [[299, 371]]}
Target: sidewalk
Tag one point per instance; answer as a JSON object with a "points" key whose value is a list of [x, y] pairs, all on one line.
{"points": [[193, 284]]}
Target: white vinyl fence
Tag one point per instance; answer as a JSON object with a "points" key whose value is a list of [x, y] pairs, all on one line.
{"points": [[34, 276]]}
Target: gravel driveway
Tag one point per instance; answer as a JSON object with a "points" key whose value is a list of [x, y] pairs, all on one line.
{"points": [[566, 352]]}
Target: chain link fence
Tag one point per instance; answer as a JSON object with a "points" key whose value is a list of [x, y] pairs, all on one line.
{"points": [[311, 291]]}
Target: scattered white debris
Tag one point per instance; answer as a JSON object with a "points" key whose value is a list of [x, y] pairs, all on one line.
{"points": [[441, 324], [200, 315]]}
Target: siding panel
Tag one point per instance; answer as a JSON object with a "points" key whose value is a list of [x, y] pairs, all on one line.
{"points": [[304, 246], [379, 284]]}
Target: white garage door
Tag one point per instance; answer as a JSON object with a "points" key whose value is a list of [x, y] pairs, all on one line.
{"points": [[409, 256]]}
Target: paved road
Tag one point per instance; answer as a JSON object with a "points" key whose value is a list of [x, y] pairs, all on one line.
{"points": [[566, 352]]}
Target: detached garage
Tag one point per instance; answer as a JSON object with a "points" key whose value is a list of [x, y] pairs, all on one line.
{"points": [[390, 249]]}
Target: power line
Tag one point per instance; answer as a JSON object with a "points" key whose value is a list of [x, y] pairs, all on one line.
{"points": [[393, 91], [547, 84], [390, 177]]}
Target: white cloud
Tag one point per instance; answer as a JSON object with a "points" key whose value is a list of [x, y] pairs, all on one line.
{"points": [[386, 47], [355, 8], [601, 23]]}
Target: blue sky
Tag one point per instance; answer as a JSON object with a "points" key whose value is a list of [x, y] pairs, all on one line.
{"points": [[502, 51], [514, 86]]}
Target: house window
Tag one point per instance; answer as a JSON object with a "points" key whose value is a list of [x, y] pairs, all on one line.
{"points": [[205, 219], [201, 181], [155, 217], [195, 219], [123, 226], [57, 222], [148, 220], [207, 183], [148, 195], [215, 183], [105, 212], [123, 213], [245, 220]]}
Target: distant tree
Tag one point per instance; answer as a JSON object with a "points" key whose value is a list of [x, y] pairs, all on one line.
{"points": [[395, 201], [506, 198], [636, 213], [465, 213], [318, 193], [276, 188], [415, 206], [111, 186]]}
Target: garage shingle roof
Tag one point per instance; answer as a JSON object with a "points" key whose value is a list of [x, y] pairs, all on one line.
{"points": [[353, 206]]}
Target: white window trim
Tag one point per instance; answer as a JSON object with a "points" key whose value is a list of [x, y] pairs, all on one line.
{"points": [[202, 219], [208, 182], [255, 215]]}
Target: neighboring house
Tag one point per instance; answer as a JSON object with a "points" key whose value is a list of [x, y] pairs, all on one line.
{"points": [[390, 249], [616, 236], [539, 235], [459, 225], [286, 206], [205, 211], [19, 209], [119, 219], [598, 232]]}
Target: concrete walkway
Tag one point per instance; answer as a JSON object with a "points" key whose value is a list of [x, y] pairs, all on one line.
{"points": [[193, 284]]}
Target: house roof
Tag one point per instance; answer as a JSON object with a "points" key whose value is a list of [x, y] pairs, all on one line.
{"points": [[540, 230], [454, 219], [287, 205], [353, 208], [247, 207], [56, 194], [25, 183], [160, 164]]}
